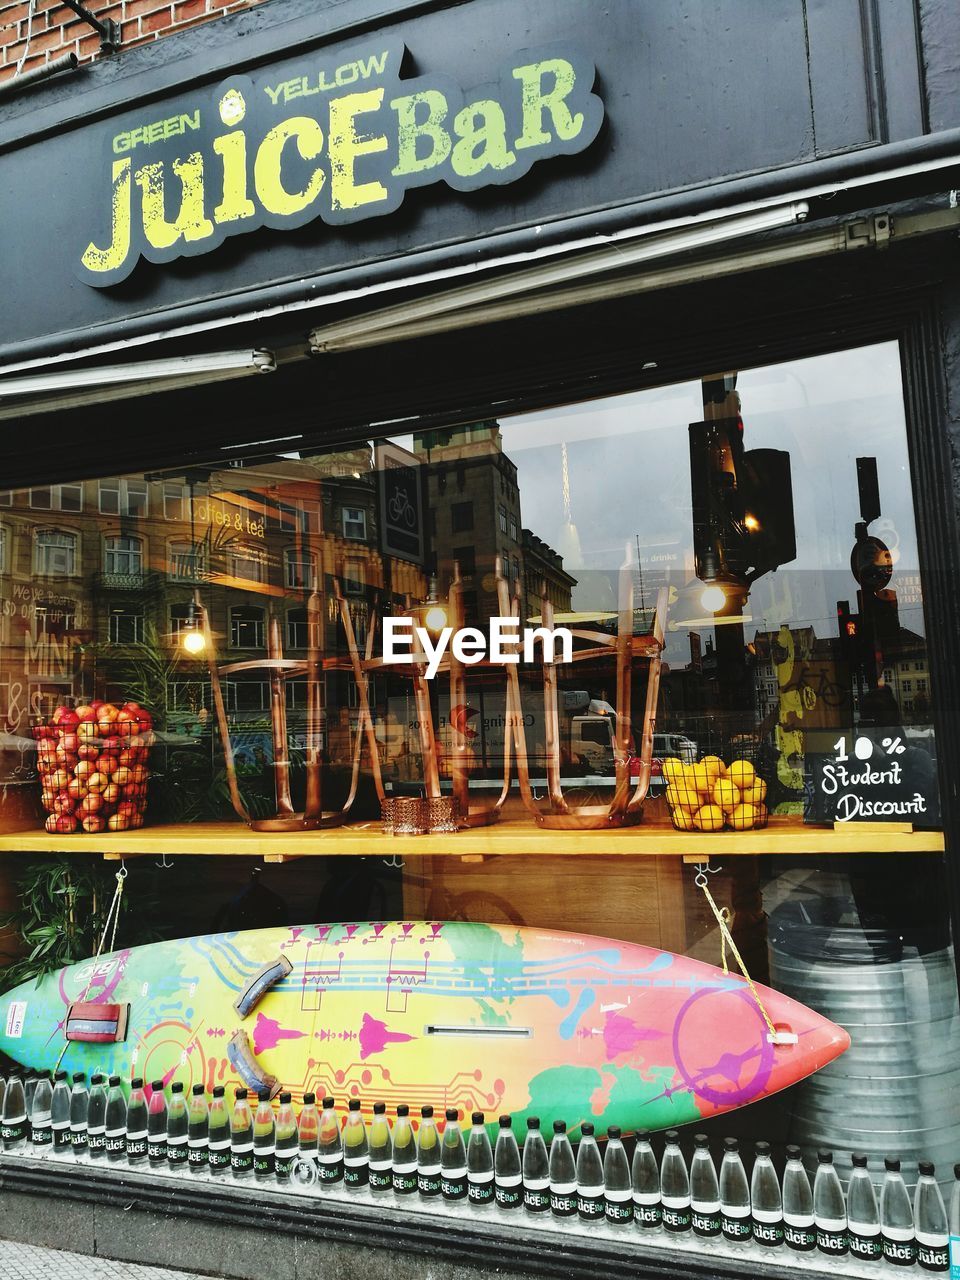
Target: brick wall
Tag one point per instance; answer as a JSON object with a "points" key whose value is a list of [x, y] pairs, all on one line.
{"points": [[57, 30]]}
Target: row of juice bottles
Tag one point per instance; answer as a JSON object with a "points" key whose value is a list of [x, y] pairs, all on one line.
{"points": [[270, 1145]]}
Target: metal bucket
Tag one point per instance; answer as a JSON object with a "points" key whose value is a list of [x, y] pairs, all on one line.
{"points": [[896, 1091]]}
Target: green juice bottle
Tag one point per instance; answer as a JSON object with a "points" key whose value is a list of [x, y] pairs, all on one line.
{"points": [[404, 1154], [241, 1136], [381, 1150], [218, 1133], [428, 1155], [177, 1126], [453, 1159], [288, 1140], [356, 1149], [330, 1145], [264, 1138]]}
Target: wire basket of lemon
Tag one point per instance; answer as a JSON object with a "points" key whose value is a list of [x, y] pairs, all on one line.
{"points": [[712, 796]]}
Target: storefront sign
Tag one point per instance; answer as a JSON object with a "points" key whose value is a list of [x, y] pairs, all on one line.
{"points": [[404, 642], [340, 140], [879, 776]]}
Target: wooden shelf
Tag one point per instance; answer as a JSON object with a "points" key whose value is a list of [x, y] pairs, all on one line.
{"points": [[507, 838]]}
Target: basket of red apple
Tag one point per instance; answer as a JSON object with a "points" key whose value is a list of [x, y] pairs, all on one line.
{"points": [[93, 765]]}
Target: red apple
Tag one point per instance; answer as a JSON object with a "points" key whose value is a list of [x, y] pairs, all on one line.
{"points": [[87, 730], [128, 807], [87, 751], [122, 775], [107, 711], [119, 822], [63, 802], [86, 713], [132, 791], [77, 787], [97, 781], [91, 803], [62, 824], [109, 764], [140, 774], [84, 769], [47, 799], [65, 718], [137, 819], [111, 745], [111, 794], [59, 779], [93, 824]]}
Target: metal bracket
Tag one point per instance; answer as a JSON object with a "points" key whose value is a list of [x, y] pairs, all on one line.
{"points": [[106, 28]]}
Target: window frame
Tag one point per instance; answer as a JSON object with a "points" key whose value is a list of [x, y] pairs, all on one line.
{"points": [[72, 572]]}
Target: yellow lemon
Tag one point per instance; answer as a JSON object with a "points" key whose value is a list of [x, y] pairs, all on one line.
{"points": [[682, 797], [672, 768], [756, 793], [761, 818], [726, 794], [714, 766], [743, 817], [682, 819], [708, 818], [699, 775], [742, 773]]}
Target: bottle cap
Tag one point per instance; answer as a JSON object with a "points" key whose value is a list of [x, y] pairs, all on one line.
{"points": [[858, 1160], [353, 1104], [702, 1141], [177, 1087], [477, 1117], [452, 1113], [285, 1099], [198, 1090], [891, 1165], [156, 1086], [218, 1090], [240, 1092], [559, 1126], [403, 1109], [671, 1135], [136, 1083], [731, 1144], [825, 1157], [114, 1082], [587, 1130], [43, 1075], [506, 1122], [793, 1152], [426, 1112], [97, 1079], [379, 1108], [309, 1099], [533, 1122], [328, 1102], [761, 1149], [927, 1170], [263, 1095], [613, 1131], [61, 1075]]}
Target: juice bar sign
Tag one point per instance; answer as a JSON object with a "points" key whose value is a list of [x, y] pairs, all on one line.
{"points": [[340, 140]]}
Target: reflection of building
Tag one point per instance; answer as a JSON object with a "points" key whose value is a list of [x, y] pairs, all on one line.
{"points": [[474, 504], [544, 574], [907, 674]]}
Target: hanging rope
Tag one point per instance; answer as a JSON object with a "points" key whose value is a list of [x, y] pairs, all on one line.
{"points": [[723, 917], [113, 916]]}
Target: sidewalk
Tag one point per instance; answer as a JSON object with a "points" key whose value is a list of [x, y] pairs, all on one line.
{"points": [[29, 1262]]}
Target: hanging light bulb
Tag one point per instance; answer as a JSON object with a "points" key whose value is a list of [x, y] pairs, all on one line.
{"points": [[435, 616], [713, 597], [192, 640]]}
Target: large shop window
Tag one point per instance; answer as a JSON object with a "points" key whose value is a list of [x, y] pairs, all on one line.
{"points": [[747, 538]]}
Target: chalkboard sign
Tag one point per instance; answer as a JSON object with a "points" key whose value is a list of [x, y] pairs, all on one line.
{"points": [[874, 775]]}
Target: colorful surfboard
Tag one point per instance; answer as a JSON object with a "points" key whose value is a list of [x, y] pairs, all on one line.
{"points": [[471, 1016]]}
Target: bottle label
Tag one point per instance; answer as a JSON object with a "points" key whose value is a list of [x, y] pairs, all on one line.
{"points": [[356, 1171], [799, 1233], [619, 1206], [647, 1210], [677, 1214], [78, 1137], [177, 1151], [381, 1175], [590, 1204], [14, 1130], [404, 1178], [736, 1227], [264, 1161], [218, 1155], [428, 1180], [480, 1188], [864, 1242], [96, 1141], [241, 1157], [563, 1199], [330, 1167], [157, 1150], [768, 1228], [899, 1246], [284, 1166], [453, 1184], [932, 1252], [42, 1135], [197, 1153], [136, 1146], [705, 1217], [509, 1191], [536, 1194], [832, 1237], [116, 1143], [61, 1137]]}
